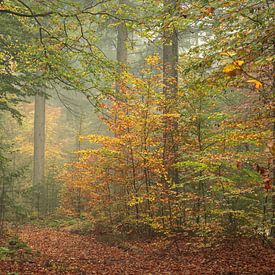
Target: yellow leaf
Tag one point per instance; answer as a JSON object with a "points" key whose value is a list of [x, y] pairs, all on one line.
{"points": [[233, 66], [229, 68], [227, 54], [258, 84], [238, 62], [153, 60]]}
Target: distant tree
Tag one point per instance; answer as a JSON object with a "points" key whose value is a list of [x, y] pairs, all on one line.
{"points": [[39, 153]]}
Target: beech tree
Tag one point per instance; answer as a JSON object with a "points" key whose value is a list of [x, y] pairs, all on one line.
{"points": [[170, 81], [39, 152]]}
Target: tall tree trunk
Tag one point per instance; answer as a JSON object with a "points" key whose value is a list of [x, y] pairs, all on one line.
{"points": [[39, 152], [2, 201], [122, 59], [272, 231], [80, 206], [170, 81], [122, 54]]}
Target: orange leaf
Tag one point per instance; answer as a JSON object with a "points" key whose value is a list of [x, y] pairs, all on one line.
{"points": [[258, 84]]}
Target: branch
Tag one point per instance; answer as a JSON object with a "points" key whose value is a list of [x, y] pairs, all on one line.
{"points": [[84, 11], [26, 14]]}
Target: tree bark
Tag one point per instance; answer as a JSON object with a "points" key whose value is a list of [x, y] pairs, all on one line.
{"points": [[122, 53], [2, 202], [39, 152], [272, 230], [170, 81], [122, 59]]}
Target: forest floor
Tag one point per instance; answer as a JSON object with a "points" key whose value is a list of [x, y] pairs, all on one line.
{"points": [[53, 251]]}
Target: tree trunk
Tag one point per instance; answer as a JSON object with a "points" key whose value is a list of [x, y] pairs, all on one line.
{"points": [[122, 54], [2, 202], [122, 58], [170, 81], [39, 152], [272, 231]]}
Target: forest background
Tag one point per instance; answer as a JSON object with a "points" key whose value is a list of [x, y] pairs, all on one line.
{"points": [[138, 117]]}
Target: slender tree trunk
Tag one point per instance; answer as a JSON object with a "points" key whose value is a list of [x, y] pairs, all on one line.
{"points": [[78, 189], [170, 81], [2, 203], [122, 59], [122, 53], [272, 231], [39, 151]]}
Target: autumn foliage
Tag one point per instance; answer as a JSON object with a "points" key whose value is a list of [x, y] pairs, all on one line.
{"points": [[123, 179]]}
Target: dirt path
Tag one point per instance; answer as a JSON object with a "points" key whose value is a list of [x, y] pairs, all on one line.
{"points": [[65, 253]]}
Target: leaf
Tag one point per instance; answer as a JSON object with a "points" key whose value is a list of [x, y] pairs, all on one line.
{"points": [[258, 84], [236, 65], [229, 53]]}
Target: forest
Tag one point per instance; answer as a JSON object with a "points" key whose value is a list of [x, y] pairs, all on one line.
{"points": [[137, 137]]}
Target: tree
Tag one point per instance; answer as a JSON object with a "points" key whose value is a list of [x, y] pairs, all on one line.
{"points": [[39, 153], [47, 52], [122, 35], [170, 90]]}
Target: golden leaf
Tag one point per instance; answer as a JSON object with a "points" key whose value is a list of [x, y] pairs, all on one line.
{"points": [[227, 53], [233, 66], [238, 63], [258, 84]]}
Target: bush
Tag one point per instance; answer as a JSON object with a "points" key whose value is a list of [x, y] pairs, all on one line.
{"points": [[14, 249], [5, 252], [137, 229]]}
